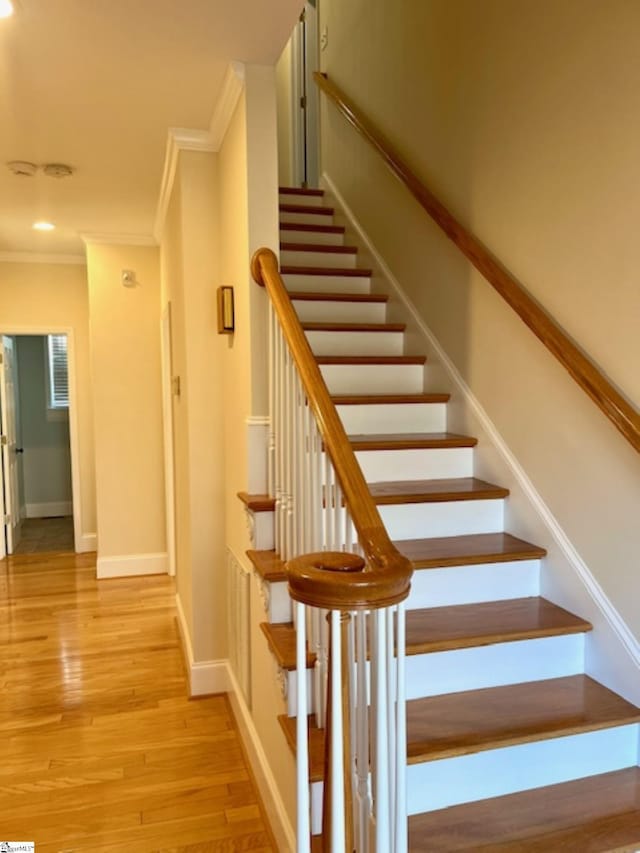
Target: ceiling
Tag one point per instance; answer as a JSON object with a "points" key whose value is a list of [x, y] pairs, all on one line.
{"points": [[96, 84]]}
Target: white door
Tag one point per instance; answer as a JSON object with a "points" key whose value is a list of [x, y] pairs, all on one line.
{"points": [[9, 450]]}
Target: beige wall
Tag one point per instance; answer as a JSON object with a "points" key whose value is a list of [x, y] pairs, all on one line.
{"points": [[51, 296], [125, 363], [523, 119], [285, 118], [190, 263]]}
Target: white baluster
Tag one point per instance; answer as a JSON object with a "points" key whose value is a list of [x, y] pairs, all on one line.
{"points": [[401, 736], [363, 801], [302, 738], [381, 729], [336, 747]]}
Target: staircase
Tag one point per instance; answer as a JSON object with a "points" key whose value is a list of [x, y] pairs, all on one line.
{"points": [[511, 747]]}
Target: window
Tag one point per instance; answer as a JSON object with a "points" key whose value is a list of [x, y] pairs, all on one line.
{"points": [[58, 374]]}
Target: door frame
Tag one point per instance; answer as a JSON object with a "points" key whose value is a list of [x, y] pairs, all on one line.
{"points": [[167, 420], [305, 121], [74, 446]]}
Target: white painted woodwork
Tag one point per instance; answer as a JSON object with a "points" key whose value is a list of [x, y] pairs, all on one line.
{"points": [[356, 343], [325, 238], [470, 584], [8, 415], [327, 283], [302, 258], [306, 200], [447, 518], [373, 378], [331, 311], [431, 464], [494, 773], [494, 665], [375, 418], [280, 605], [306, 218]]}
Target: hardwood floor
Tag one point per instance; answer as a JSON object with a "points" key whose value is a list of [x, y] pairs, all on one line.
{"points": [[101, 749]]}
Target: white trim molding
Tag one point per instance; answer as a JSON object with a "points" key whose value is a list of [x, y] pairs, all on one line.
{"points": [[86, 543], [115, 239], [42, 258], [267, 784], [187, 139], [52, 509], [130, 565], [205, 677], [618, 662]]}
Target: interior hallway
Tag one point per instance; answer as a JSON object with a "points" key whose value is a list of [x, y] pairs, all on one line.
{"points": [[42, 535], [101, 749]]}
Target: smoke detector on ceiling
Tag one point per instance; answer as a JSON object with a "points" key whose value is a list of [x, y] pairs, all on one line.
{"points": [[23, 168], [57, 170]]}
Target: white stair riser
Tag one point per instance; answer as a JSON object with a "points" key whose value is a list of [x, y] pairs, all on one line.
{"points": [[325, 311], [394, 418], [446, 518], [306, 218], [327, 283], [262, 535], [303, 199], [344, 260], [480, 667], [321, 238], [356, 343], [280, 606], [429, 464], [373, 378], [495, 773], [472, 584], [494, 665]]}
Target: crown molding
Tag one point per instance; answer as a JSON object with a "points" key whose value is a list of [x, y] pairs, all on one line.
{"points": [[41, 258], [232, 87], [186, 139], [114, 239]]}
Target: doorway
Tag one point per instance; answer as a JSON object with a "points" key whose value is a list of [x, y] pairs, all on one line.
{"points": [[37, 482]]}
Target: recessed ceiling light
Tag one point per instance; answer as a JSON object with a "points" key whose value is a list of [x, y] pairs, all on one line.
{"points": [[43, 226], [6, 8]]}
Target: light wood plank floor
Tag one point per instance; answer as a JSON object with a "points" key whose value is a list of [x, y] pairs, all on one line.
{"points": [[100, 749]]}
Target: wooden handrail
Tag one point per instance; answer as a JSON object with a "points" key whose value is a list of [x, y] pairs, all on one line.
{"points": [[620, 412], [335, 580]]}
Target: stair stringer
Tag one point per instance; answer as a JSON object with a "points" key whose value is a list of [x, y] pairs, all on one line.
{"points": [[612, 653]]}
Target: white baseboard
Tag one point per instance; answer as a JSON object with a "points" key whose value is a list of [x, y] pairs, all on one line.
{"points": [[86, 543], [53, 509], [618, 662], [268, 787], [205, 677], [129, 565]]}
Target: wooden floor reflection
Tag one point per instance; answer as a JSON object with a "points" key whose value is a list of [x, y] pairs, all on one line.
{"points": [[101, 749]]}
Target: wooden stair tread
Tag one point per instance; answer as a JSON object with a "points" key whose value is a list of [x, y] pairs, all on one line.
{"points": [[474, 720], [300, 191], [349, 272], [318, 247], [463, 723], [478, 548], [354, 327], [268, 565], [309, 227], [381, 399], [319, 296], [257, 503], [281, 637], [305, 208], [438, 629], [435, 491], [591, 815], [459, 626], [409, 441], [371, 359]]}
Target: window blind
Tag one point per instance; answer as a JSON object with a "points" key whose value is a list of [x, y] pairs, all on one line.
{"points": [[58, 371]]}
